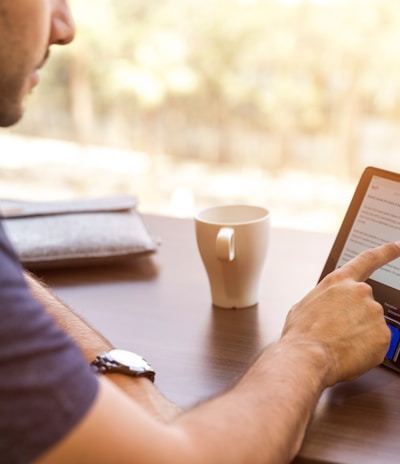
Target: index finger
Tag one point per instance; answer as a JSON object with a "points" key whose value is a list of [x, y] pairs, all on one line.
{"points": [[367, 262]]}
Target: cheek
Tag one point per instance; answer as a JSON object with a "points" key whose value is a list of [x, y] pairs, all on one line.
{"points": [[32, 28]]}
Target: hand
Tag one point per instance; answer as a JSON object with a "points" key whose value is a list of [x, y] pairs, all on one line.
{"points": [[341, 316]]}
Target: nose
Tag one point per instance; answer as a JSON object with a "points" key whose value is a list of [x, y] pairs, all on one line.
{"points": [[62, 25]]}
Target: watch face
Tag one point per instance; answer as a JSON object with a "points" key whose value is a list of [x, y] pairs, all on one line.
{"points": [[127, 358]]}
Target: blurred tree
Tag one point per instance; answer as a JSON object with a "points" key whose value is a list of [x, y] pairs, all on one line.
{"points": [[206, 78]]}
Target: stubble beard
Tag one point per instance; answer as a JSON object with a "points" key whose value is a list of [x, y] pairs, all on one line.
{"points": [[11, 101]]}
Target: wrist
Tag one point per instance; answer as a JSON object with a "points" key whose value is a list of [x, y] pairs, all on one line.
{"points": [[145, 393], [314, 358]]}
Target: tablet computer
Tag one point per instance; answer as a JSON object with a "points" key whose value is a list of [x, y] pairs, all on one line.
{"points": [[373, 218]]}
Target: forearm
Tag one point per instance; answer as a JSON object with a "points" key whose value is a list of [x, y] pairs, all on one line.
{"points": [[266, 413], [261, 420], [264, 417], [91, 343]]}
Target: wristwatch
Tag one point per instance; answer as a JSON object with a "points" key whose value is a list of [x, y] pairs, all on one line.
{"points": [[123, 362]]}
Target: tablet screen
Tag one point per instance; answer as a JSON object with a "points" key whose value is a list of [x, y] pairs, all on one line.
{"points": [[373, 218]]}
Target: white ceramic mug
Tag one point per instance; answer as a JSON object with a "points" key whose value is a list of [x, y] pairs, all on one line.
{"points": [[233, 242]]}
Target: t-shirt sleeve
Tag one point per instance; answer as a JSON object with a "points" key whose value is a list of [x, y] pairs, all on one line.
{"points": [[46, 385]]}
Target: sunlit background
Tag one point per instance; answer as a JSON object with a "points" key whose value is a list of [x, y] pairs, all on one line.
{"points": [[189, 103]]}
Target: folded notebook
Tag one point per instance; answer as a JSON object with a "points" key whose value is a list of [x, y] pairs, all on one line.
{"points": [[76, 232]]}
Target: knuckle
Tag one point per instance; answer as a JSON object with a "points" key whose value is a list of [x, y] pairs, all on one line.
{"points": [[369, 254], [334, 277], [388, 334], [369, 257], [363, 289]]}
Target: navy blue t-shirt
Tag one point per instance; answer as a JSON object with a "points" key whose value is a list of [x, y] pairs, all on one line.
{"points": [[46, 385]]}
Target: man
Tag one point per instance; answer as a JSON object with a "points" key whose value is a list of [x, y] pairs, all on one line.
{"points": [[54, 409]]}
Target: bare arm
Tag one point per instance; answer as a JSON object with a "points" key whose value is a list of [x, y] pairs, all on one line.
{"points": [[261, 420], [92, 343], [335, 333]]}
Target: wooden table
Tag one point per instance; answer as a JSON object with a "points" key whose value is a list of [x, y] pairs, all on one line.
{"points": [[160, 307]]}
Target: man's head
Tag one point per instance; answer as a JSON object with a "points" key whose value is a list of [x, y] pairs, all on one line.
{"points": [[27, 29]]}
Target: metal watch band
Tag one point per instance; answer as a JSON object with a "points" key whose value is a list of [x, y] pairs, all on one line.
{"points": [[106, 363]]}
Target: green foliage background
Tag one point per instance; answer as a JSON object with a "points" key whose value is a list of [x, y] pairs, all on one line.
{"points": [[267, 83]]}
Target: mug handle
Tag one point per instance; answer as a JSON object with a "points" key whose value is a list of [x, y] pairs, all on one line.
{"points": [[225, 244]]}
